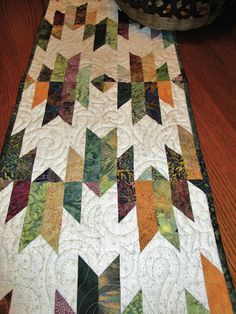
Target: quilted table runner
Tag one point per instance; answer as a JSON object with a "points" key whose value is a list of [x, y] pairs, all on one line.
{"points": [[104, 201]]}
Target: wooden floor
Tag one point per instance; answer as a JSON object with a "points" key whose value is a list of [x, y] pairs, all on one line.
{"points": [[209, 57]]}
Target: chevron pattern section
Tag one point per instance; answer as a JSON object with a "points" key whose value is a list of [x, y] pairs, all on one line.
{"points": [[104, 201]]}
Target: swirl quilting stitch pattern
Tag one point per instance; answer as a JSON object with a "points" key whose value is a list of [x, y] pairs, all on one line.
{"points": [[104, 205]]}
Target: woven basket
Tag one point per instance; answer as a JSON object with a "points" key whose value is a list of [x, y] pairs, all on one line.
{"points": [[173, 14]]}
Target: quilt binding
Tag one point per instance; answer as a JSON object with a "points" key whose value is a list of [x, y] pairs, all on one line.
{"points": [[206, 181]]}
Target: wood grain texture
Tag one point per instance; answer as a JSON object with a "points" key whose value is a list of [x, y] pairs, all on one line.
{"points": [[18, 26], [209, 58]]}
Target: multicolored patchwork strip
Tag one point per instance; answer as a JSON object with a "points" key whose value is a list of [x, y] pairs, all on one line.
{"points": [[104, 201]]}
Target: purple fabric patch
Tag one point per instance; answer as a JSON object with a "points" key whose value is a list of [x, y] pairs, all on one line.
{"points": [[66, 111], [5, 303], [180, 197], [94, 186], [126, 197], [19, 198], [72, 69], [58, 18], [48, 176], [61, 305]]}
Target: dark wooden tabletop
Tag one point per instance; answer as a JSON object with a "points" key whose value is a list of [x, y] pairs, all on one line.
{"points": [[209, 58]]}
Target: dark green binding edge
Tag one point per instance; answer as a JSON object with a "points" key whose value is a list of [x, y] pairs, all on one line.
{"points": [[207, 188], [208, 192]]}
